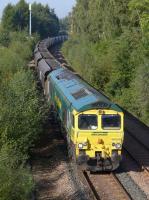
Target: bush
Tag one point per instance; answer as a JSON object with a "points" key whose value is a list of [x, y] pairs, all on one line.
{"points": [[4, 38], [21, 115], [16, 181], [10, 62], [21, 112], [22, 49]]}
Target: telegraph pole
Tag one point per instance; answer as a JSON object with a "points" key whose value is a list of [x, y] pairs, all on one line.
{"points": [[30, 19]]}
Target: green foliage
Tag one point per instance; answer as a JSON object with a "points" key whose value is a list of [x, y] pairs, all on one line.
{"points": [[23, 38], [65, 25], [100, 19], [10, 62], [21, 17], [88, 65], [16, 183], [15, 18], [44, 20], [109, 48], [4, 38], [8, 17], [141, 84], [16, 55], [23, 50], [21, 115]]}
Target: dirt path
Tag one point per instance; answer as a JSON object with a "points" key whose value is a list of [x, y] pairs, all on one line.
{"points": [[53, 176]]}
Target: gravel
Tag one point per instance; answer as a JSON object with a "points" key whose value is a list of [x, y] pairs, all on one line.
{"points": [[131, 187]]}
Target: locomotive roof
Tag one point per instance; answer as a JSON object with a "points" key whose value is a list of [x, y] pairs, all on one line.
{"points": [[80, 94]]}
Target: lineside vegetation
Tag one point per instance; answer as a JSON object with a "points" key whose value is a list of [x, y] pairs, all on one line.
{"points": [[109, 47], [21, 116], [22, 112], [22, 108]]}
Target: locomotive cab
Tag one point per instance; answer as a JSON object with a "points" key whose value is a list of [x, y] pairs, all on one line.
{"points": [[98, 139]]}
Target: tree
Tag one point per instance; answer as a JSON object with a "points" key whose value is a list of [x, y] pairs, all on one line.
{"points": [[21, 16], [8, 17], [109, 47], [79, 17], [65, 24], [44, 20], [141, 85]]}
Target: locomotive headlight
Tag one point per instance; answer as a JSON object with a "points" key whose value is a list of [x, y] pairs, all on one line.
{"points": [[80, 146], [118, 146]]}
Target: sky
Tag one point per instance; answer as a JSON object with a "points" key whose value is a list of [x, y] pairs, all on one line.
{"points": [[61, 7]]}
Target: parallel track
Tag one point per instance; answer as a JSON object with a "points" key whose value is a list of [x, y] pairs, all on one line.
{"points": [[137, 151], [142, 168], [106, 186]]}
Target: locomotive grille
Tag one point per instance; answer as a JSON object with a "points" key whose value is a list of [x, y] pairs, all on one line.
{"points": [[101, 104], [81, 93]]}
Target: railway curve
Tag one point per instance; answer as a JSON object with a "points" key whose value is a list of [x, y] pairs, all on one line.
{"points": [[136, 143]]}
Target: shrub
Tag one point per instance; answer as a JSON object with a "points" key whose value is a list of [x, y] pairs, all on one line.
{"points": [[16, 181], [21, 112]]}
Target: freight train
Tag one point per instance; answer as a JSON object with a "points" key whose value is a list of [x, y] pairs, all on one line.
{"points": [[94, 125]]}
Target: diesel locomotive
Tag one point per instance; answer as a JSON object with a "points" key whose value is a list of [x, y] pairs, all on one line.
{"points": [[93, 124]]}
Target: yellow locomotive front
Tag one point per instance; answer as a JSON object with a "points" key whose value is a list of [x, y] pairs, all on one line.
{"points": [[98, 137]]}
